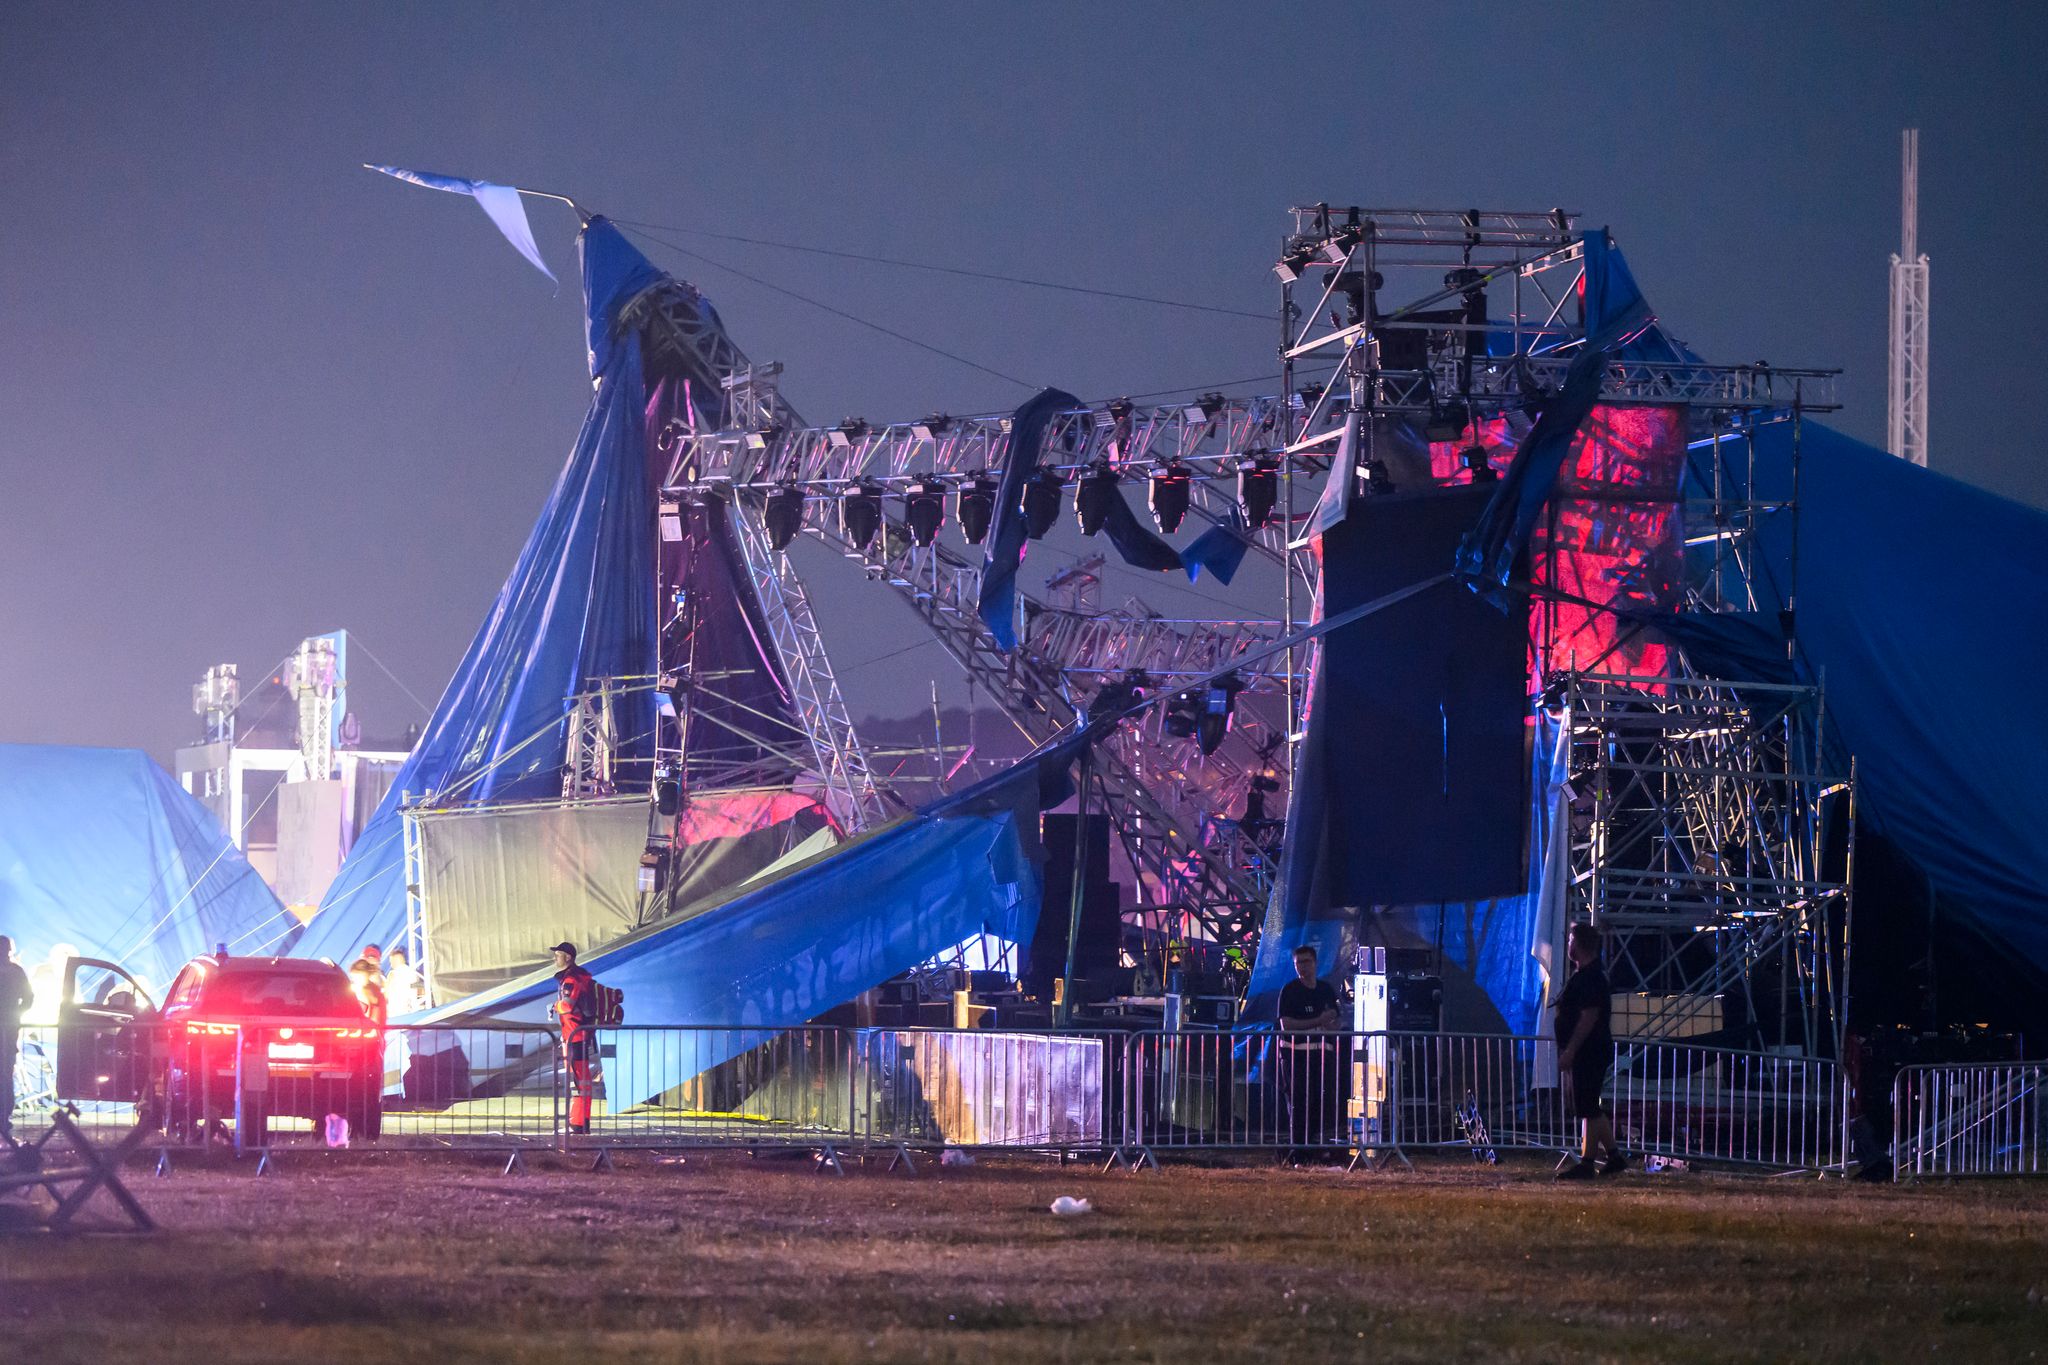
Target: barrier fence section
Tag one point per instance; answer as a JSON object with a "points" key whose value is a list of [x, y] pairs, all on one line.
{"points": [[829, 1087], [1383, 1094], [1976, 1119]]}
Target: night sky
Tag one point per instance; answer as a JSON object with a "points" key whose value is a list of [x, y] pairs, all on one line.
{"points": [[249, 391]]}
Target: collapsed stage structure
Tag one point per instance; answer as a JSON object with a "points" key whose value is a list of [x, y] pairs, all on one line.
{"points": [[1613, 710]]}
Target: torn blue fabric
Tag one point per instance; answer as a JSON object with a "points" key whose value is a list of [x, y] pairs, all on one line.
{"points": [[998, 601], [1616, 313], [500, 204], [1220, 549], [1135, 543]]}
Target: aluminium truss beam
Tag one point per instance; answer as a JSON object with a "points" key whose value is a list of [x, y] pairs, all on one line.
{"points": [[683, 336]]}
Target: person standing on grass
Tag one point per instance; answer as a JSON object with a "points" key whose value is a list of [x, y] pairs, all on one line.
{"points": [[1585, 1050], [576, 1007], [15, 998], [1308, 1004]]}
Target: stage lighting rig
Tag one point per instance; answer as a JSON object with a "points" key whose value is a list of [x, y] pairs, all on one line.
{"points": [[1042, 502], [1258, 488], [1170, 487], [847, 432], [1474, 458], [668, 789], [933, 427], [1446, 423], [975, 505], [761, 438], [860, 513], [1204, 409], [1093, 494], [671, 522], [924, 509], [783, 515], [1379, 480]]}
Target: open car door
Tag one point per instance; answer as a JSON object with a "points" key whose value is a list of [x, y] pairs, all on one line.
{"points": [[103, 1043]]}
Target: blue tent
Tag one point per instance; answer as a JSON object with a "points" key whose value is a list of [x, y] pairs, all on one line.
{"points": [[578, 606], [1921, 610], [103, 850]]}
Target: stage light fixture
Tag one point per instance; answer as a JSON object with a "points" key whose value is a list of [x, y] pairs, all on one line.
{"points": [[763, 437], [1446, 423], [668, 789], [924, 509], [1379, 480], [671, 522], [932, 427], [1306, 396], [1204, 409], [1258, 488], [1292, 263], [1217, 703], [1171, 483], [1042, 502], [860, 513], [783, 515], [1182, 715], [1093, 494], [975, 504], [651, 864], [847, 432], [1474, 459]]}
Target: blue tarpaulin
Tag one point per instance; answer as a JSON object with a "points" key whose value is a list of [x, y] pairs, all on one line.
{"points": [[780, 954], [1920, 607], [998, 602], [579, 606], [103, 850]]}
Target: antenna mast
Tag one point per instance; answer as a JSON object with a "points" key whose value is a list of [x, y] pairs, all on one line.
{"points": [[1906, 381]]}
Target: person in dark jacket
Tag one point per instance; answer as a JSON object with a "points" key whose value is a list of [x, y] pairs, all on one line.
{"points": [[576, 1009], [15, 998], [1585, 1050]]}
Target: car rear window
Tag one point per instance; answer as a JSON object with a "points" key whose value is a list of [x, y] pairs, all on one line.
{"points": [[285, 993]]}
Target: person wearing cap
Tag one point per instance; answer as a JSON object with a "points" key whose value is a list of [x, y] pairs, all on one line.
{"points": [[576, 1008], [15, 998]]}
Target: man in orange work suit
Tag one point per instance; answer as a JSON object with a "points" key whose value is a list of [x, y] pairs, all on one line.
{"points": [[576, 1007]]}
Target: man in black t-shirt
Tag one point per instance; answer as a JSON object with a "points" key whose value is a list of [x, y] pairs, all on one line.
{"points": [[1310, 1065], [1585, 1049]]}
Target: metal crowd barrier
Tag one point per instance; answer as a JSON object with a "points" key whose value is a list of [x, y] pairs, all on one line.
{"points": [[1729, 1106], [832, 1089], [1979, 1119], [1381, 1095]]}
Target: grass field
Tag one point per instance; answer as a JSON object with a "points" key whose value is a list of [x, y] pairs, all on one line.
{"points": [[394, 1258]]}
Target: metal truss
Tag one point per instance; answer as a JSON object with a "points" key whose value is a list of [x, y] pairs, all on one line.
{"points": [[1209, 435], [683, 338], [1906, 375], [1168, 829], [1698, 827], [821, 709]]}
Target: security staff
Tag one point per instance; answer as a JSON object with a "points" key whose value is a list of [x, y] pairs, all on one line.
{"points": [[576, 1008]]}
